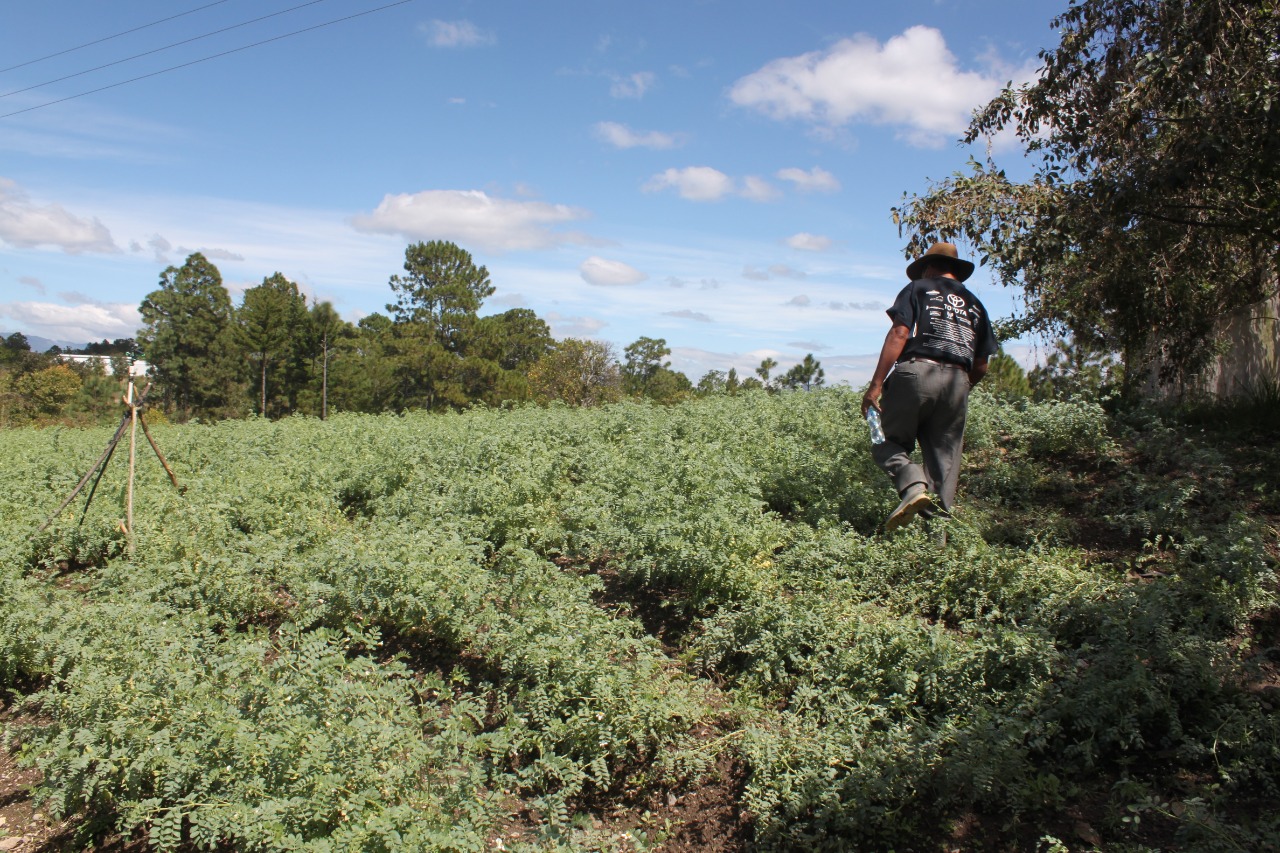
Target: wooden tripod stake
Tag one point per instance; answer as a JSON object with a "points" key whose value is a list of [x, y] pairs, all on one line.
{"points": [[132, 418], [133, 455]]}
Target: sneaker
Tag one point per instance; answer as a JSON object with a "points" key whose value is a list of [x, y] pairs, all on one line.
{"points": [[914, 501]]}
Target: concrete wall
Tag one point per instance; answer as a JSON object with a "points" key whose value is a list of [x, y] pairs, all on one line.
{"points": [[136, 369], [1253, 359]]}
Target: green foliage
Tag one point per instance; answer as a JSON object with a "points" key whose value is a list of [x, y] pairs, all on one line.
{"points": [[514, 339], [808, 374], [646, 374], [187, 338], [47, 391], [1151, 214], [1006, 377], [398, 632], [328, 332], [435, 318], [1076, 369], [577, 372], [270, 327], [719, 382], [441, 292]]}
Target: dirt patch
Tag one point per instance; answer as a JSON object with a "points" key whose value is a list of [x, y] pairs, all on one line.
{"points": [[28, 828], [707, 817], [23, 827], [661, 609], [1262, 642], [702, 816]]}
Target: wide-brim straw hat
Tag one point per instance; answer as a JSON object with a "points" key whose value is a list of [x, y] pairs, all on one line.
{"points": [[943, 254]]}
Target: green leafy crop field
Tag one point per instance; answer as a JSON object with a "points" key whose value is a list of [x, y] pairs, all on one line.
{"points": [[641, 627]]}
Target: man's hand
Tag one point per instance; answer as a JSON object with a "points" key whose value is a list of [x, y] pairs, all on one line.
{"points": [[871, 398]]}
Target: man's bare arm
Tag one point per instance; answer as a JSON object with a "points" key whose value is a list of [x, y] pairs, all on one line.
{"points": [[889, 354], [979, 370]]}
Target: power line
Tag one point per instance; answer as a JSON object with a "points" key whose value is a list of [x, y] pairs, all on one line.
{"points": [[108, 38], [159, 49], [206, 58]]}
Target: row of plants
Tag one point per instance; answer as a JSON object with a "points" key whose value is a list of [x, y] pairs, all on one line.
{"points": [[438, 631]]}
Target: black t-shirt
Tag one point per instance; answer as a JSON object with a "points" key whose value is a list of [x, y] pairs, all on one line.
{"points": [[947, 322]]}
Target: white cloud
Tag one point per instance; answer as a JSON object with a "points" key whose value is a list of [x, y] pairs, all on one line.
{"points": [[621, 136], [164, 252], [74, 323], [633, 86], [159, 246], [837, 305], [600, 271], [774, 271], [912, 82], [695, 183], [703, 284], [509, 300], [572, 327], [215, 254], [686, 314], [455, 34], [800, 301], [758, 189], [27, 225], [73, 297], [703, 183], [32, 282], [814, 180], [472, 218], [806, 242]]}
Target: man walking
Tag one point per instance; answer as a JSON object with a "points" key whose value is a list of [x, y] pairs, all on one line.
{"points": [[938, 348]]}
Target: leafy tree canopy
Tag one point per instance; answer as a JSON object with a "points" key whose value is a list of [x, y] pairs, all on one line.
{"points": [[186, 336], [1154, 208], [270, 326], [120, 346], [440, 293], [644, 358], [578, 372], [46, 391], [513, 339], [808, 374], [1006, 377]]}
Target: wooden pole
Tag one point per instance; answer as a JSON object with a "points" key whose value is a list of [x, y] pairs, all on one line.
{"points": [[133, 455], [324, 385], [132, 417], [164, 463], [106, 454]]}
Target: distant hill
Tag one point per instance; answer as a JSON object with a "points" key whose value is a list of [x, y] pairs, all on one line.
{"points": [[39, 344]]}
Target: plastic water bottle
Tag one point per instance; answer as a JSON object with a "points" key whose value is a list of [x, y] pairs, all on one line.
{"points": [[874, 424]]}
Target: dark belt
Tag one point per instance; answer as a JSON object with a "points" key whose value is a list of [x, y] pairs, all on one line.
{"points": [[915, 358]]}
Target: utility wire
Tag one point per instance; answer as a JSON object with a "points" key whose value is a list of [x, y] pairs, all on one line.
{"points": [[206, 59], [166, 47], [108, 38]]}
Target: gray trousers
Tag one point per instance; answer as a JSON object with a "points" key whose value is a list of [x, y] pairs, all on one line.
{"points": [[926, 403]]}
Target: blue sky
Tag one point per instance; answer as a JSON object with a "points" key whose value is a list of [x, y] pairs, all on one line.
{"points": [[719, 174]]}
